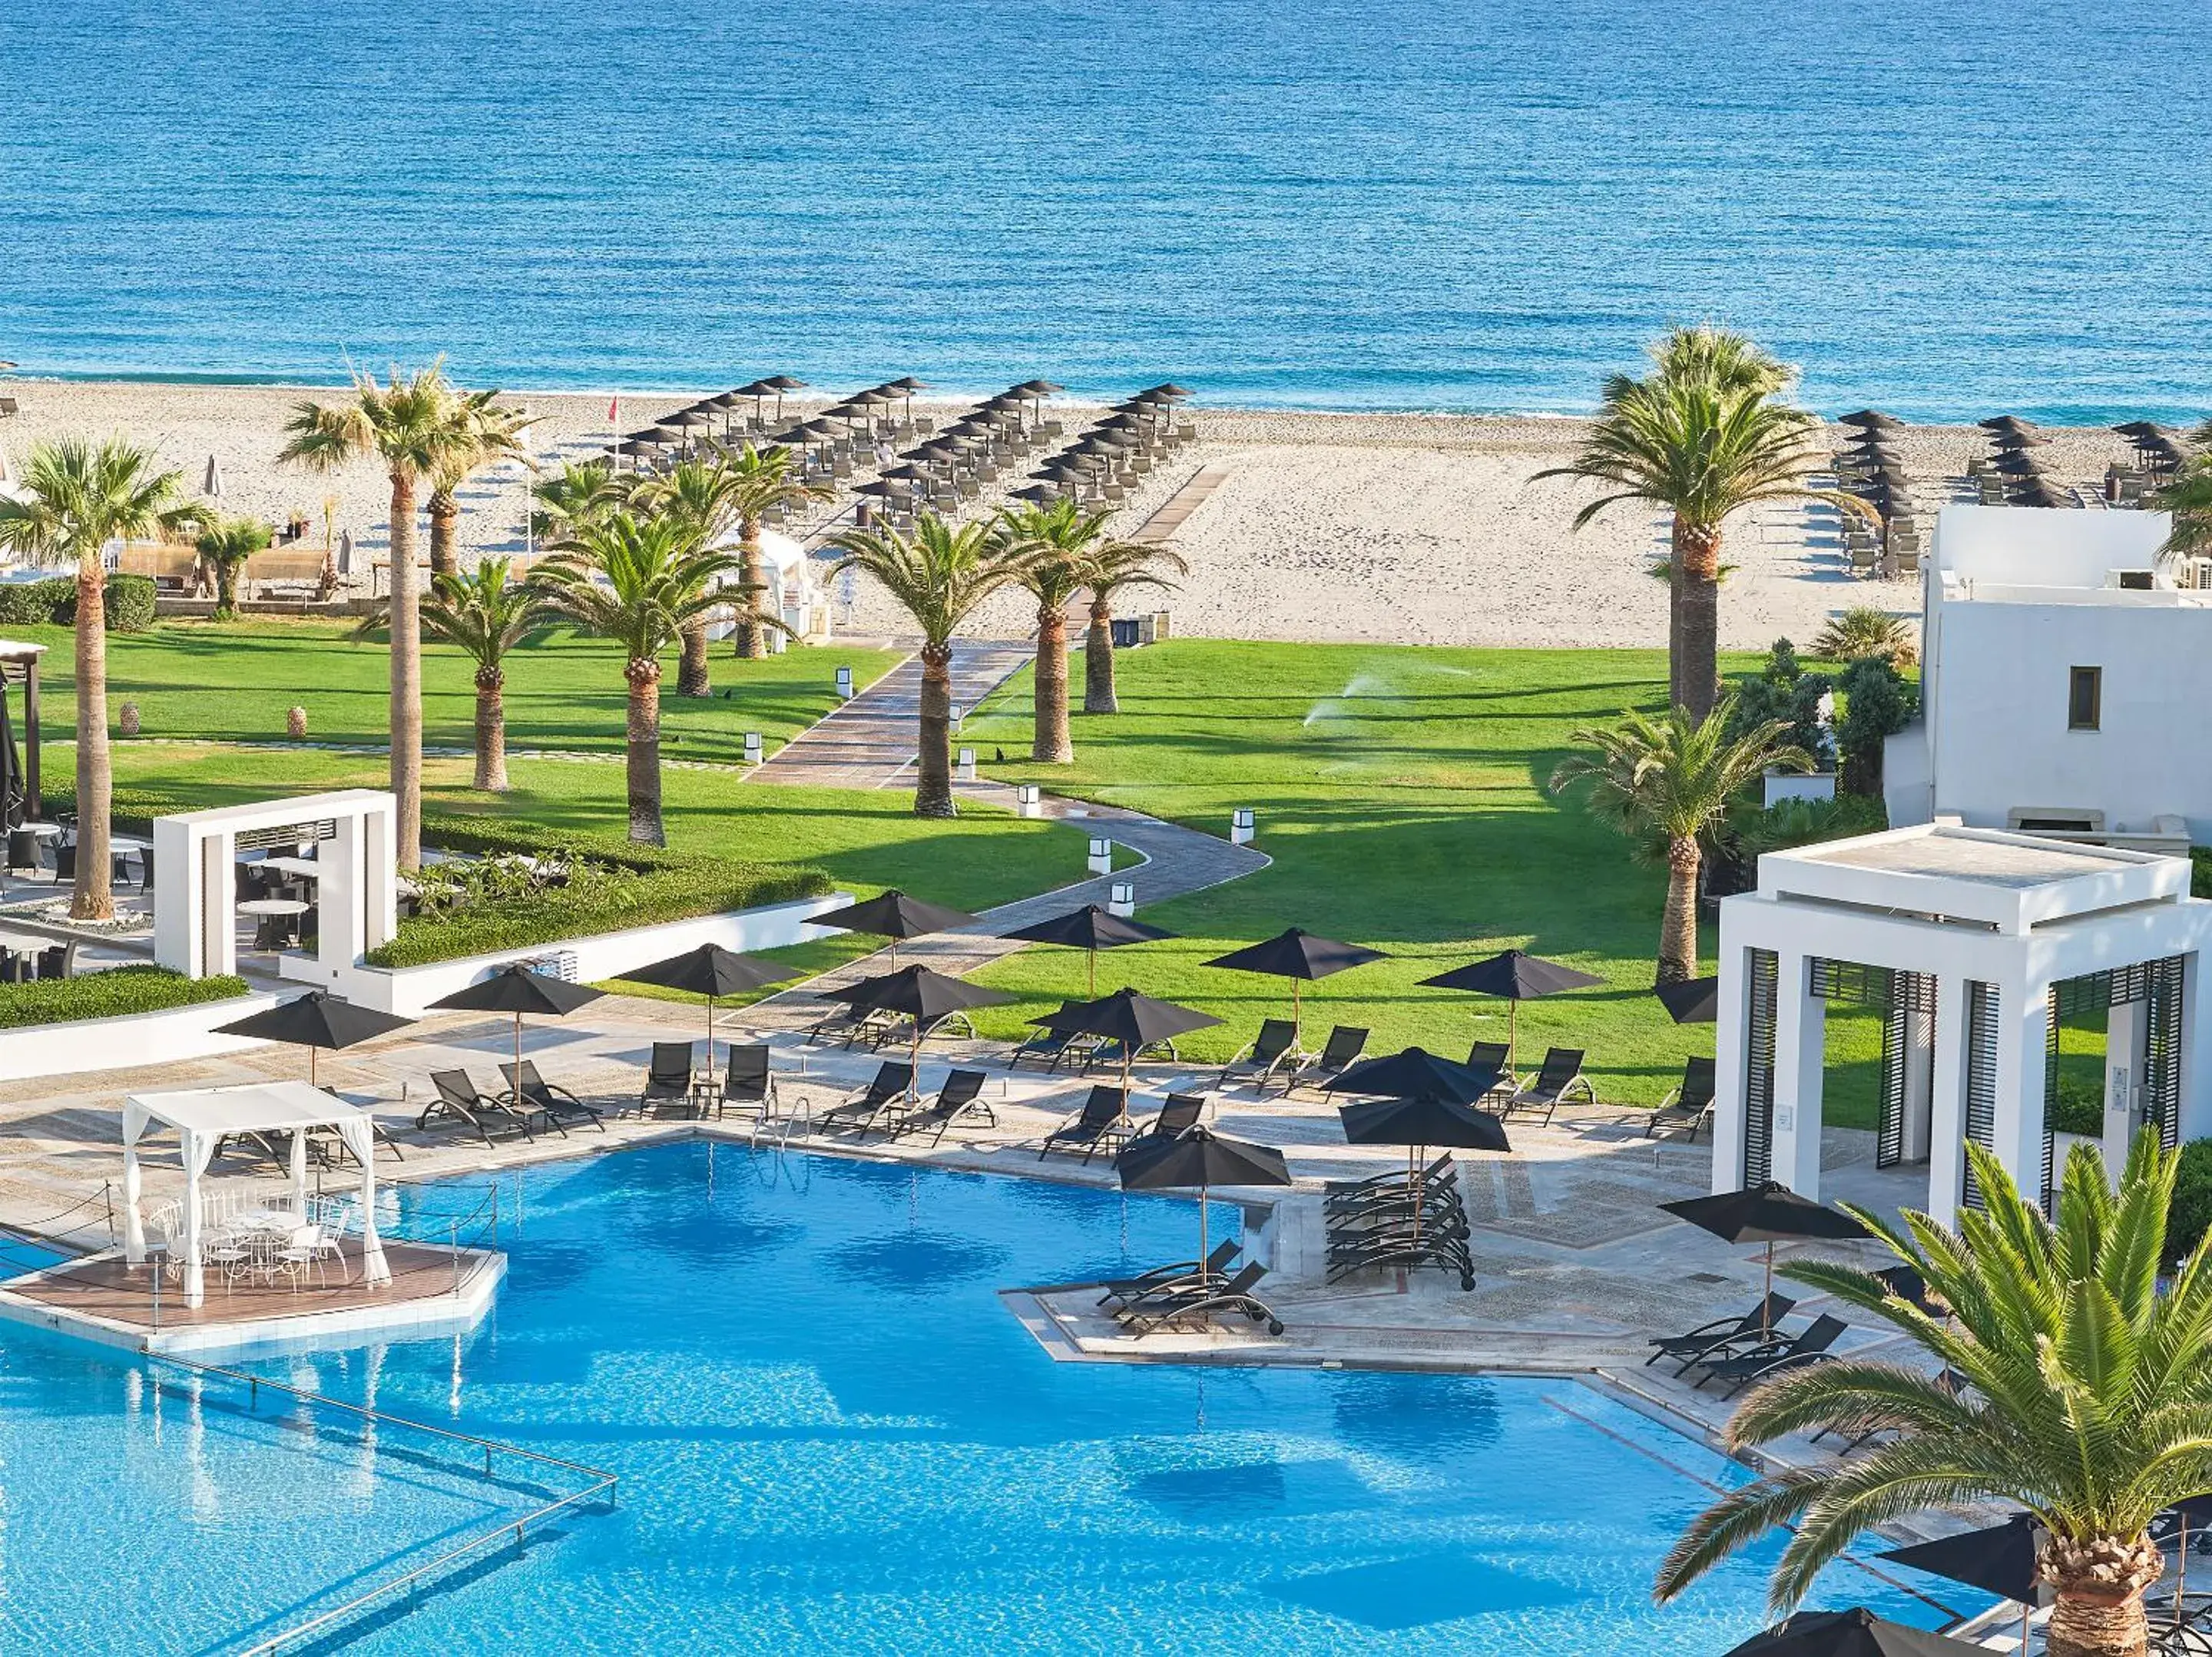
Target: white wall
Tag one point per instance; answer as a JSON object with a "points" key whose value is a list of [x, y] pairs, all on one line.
{"points": [[409, 991], [2033, 547], [1998, 722], [170, 1036]]}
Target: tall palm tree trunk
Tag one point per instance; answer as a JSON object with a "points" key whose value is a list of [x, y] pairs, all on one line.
{"points": [[2100, 1583], [226, 588], [1098, 695], [92, 898], [644, 758], [1697, 675], [932, 790], [693, 676], [750, 637], [491, 730], [445, 523], [1678, 931], [1049, 740], [406, 674]]}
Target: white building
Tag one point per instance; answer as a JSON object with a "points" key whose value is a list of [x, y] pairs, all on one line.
{"points": [[795, 595], [1972, 943], [2062, 679]]}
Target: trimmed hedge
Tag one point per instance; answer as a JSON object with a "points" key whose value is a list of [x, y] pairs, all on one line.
{"points": [[661, 886], [129, 606], [109, 994], [2190, 1214]]}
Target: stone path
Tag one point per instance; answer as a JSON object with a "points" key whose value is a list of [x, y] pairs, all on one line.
{"points": [[869, 742]]}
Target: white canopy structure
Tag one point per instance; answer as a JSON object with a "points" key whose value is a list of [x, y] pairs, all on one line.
{"points": [[204, 1116]]}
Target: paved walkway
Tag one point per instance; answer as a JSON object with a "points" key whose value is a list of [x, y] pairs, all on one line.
{"points": [[869, 742], [1160, 527]]}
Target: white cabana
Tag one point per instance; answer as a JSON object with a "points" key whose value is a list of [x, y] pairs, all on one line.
{"points": [[204, 1116]]}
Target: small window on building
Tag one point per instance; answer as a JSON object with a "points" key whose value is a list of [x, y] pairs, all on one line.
{"points": [[2085, 696]]}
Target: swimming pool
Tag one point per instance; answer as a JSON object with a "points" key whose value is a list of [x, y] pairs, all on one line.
{"points": [[833, 1437]]}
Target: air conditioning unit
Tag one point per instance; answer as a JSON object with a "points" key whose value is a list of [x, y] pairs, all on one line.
{"points": [[559, 963]]}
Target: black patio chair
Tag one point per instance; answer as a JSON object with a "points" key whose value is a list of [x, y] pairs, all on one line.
{"points": [[1103, 1122], [1708, 1340], [748, 1084], [1274, 1049], [668, 1076], [1773, 1357], [60, 961], [1498, 1056], [1178, 1114], [1689, 1105], [1561, 1074], [556, 1104], [963, 1093], [1345, 1044], [459, 1101], [893, 1084]]}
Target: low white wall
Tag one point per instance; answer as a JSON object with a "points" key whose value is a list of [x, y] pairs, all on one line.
{"points": [[1788, 785], [169, 1036], [409, 991]]}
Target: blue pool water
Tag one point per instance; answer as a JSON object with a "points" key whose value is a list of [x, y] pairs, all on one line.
{"points": [[1936, 206], [833, 1437]]}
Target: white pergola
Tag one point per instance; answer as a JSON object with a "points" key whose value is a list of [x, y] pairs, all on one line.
{"points": [[204, 1116], [1972, 940]]}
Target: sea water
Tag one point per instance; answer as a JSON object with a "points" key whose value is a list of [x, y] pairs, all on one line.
{"points": [[1940, 207]]}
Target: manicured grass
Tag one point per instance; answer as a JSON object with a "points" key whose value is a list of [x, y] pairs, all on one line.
{"points": [[234, 681], [115, 992], [1401, 791], [867, 840]]}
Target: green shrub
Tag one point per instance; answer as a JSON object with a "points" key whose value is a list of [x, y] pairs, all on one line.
{"points": [[1878, 703], [34, 604], [129, 608], [614, 885], [1792, 822], [109, 994], [130, 604], [2190, 1214], [2080, 1107]]}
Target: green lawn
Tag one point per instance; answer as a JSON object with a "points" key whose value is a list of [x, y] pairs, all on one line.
{"points": [[1400, 791], [234, 681], [867, 840]]}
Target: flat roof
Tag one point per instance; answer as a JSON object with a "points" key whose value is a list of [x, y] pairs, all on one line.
{"points": [[1984, 876]]}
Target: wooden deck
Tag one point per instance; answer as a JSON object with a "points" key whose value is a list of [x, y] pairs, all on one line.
{"points": [[107, 1288]]}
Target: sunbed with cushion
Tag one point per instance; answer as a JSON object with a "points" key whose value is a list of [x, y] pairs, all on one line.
{"points": [[668, 1076], [459, 1101], [1708, 1340], [1562, 1073], [1103, 1122], [1689, 1105], [556, 1104], [1274, 1049]]}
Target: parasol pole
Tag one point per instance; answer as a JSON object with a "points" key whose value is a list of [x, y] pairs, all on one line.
{"points": [[1093, 954], [1202, 1249], [710, 1032], [1767, 1300]]}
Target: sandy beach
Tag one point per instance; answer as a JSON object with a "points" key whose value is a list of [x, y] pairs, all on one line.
{"points": [[1411, 528]]}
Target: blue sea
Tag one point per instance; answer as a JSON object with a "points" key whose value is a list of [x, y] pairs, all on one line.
{"points": [[1941, 207]]}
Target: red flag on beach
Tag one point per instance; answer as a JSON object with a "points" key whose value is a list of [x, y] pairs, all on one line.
{"points": [[614, 412]]}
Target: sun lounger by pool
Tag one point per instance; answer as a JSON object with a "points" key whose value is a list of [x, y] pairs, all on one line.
{"points": [[459, 1101], [1715, 1338], [748, 1085], [558, 1105], [1689, 1105], [1202, 1306], [1178, 1114], [1773, 1357], [1345, 1044], [669, 1076], [893, 1082], [1274, 1049], [1048, 1047], [961, 1094], [1562, 1073], [1103, 1122], [1181, 1276]]}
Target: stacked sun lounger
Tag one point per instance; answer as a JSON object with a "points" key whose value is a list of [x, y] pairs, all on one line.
{"points": [[1399, 1221], [1190, 1295]]}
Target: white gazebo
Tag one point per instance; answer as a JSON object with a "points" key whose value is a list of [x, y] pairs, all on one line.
{"points": [[1973, 944], [204, 1116]]}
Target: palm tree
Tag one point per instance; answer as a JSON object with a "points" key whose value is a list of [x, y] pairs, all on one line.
{"points": [[2189, 498], [1108, 567], [75, 496], [1716, 356], [484, 615], [573, 496], [1666, 783], [226, 544], [636, 580], [1051, 542], [2075, 1389], [409, 426], [1703, 438], [485, 434], [755, 481], [939, 574], [1862, 631]]}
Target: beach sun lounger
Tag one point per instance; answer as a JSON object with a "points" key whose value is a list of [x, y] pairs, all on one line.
{"points": [[459, 1101], [532, 1091], [1771, 1357], [1689, 1105], [1274, 1049], [1708, 1340]]}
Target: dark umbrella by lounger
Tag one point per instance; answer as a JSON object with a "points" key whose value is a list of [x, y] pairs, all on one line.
{"points": [[1872, 420], [1999, 1559], [315, 1021], [1417, 1124], [1200, 1157], [1692, 1001], [1299, 955], [1416, 1073], [919, 993], [895, 915], [1135, 1021], [2006, 423], [1516, 976], [1090, 929], [1769, 1214], [517, 989], [714, 972], [1854, 1633]]}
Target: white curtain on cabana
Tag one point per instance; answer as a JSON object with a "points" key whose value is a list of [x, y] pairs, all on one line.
{"points": [[203, 1118]]}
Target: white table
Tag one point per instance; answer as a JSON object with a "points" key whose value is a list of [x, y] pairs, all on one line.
{"points": [[304, 868], [272, 905]]}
